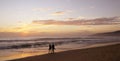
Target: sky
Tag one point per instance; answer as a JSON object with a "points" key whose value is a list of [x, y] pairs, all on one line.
{"points": [[58, 18]]}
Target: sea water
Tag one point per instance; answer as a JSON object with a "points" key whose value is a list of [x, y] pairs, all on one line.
{"points": [[20, 48]]}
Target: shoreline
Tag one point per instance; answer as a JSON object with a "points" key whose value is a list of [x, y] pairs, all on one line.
{"points": [[104, 52]]}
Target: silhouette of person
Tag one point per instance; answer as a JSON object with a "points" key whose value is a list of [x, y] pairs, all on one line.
{"points": [[51, 48]]}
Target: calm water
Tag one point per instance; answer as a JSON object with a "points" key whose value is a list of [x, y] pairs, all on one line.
{"points": [[19, 48]]}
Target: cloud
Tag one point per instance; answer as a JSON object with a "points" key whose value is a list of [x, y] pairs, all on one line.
{"points": [[77, 18], [96, 21], [59, 13]]}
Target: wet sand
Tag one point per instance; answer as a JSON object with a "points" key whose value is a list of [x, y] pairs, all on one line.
{"points": [[103, 53]]}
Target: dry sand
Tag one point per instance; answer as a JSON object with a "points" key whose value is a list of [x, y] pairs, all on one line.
{"points": [[104, 53]]}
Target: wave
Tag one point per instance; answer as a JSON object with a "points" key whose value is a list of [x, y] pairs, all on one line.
{"points": [[43, 42]]}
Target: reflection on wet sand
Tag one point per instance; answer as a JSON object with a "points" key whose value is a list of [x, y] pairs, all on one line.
{"points": [[21, 54]]}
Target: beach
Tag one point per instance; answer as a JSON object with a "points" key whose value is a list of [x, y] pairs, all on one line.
{"points": [[103, 53], [59, 30]]}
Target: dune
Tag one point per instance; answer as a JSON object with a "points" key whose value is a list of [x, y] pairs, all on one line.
{"points": [[103, 53]]}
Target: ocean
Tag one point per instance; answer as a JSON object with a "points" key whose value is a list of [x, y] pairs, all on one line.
{"points": [[20, 48]]}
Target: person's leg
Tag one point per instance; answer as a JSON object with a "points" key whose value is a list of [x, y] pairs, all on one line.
{"points": [[49, 51], [52, 50]]}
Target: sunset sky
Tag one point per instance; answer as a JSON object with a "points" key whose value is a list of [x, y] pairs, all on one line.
{"points": [[58, 18]]}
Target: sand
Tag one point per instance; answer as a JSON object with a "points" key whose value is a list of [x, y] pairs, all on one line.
{"points": [[103, 53]]}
